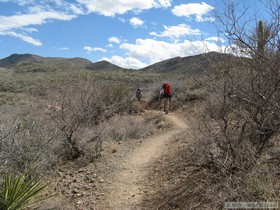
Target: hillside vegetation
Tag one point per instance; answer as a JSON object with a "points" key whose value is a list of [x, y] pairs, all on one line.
{"points": [[58, 113]]}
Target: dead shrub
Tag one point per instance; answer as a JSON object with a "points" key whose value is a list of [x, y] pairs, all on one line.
{"points": [[86, 105], [241, 115], [126, 127], [25, 144]]}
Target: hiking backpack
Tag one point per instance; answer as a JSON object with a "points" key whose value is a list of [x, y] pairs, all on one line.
{"points": [[167, 89]]}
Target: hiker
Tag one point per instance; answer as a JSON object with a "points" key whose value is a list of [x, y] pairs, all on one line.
{"points": [[139, 94], [165, 96], [161, 93]]}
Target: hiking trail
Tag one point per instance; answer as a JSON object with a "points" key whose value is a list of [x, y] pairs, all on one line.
{"points": [[129, 184]]}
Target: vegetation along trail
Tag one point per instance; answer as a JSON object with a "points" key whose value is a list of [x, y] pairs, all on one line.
{"points": [[129, 183]]}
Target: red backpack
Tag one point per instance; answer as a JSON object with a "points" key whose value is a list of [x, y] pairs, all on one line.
{"points": [[167, 89]]}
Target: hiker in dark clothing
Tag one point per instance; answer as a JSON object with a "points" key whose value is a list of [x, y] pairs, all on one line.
{"points": [[139, 94], [165, 96]]}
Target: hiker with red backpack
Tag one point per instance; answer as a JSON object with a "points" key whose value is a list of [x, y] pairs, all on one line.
{"points": [[165, 96]]}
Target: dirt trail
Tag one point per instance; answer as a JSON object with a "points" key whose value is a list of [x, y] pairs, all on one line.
{"points": [[129, 186]]}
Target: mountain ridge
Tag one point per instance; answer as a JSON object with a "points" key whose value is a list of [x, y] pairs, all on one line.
{"points": [[190, 64]]}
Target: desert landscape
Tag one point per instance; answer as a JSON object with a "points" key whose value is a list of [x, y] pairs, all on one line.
{"points": [[73, 135]]}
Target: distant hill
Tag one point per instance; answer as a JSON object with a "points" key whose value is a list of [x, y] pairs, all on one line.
{"points": [[16, 59], [29, 62], [192, 64], [103, 65]]}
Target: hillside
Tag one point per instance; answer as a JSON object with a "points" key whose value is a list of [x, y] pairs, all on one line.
{"points": [[34, 63], [196, 64], [18, 59], [103, 66]]}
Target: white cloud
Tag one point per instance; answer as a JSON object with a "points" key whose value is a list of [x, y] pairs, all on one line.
{"points": [[126, 62], [204, 19], [176, 32], [18, 21], [136, 22], [156, 51], [23, 2], [76, 9], [196, 9], [63, 48], [162, 3], [94, 49], [114, 39], [41, 12], [112, 8], [38, 14], [216, 39], [8, 24], [30, 30], [59, 5], [25, 38]]}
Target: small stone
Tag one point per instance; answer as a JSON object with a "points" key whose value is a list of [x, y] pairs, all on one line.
{"points": [[60, 174], [79, 202], [75, 191]]}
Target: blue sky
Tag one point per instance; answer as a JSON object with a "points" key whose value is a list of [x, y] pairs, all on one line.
{"points": [[128, 33]]}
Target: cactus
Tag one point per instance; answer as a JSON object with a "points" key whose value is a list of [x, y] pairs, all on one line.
{"points": [[263, 34]]}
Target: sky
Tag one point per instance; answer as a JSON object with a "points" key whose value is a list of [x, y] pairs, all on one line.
{"points": [[128, 33]]}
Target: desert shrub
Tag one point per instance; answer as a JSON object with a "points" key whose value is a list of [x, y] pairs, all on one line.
{"points": [[215, 178], [64, 124], [126, 127], [24, 144], [243, 103], [241, 115], [82, 105], [237, 126]]}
